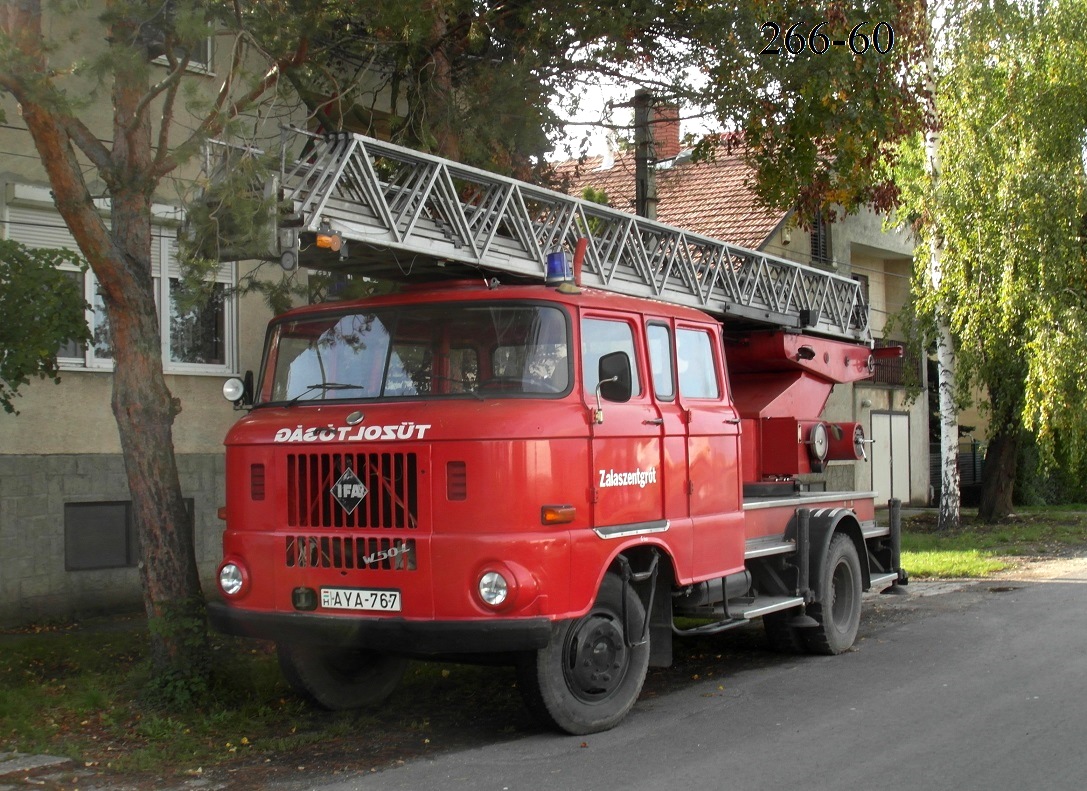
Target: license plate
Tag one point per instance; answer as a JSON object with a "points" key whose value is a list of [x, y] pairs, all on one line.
{"points": [[360, 599]]}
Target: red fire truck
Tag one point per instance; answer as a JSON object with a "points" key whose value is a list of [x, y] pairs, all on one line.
{"points": [[562, 475]]}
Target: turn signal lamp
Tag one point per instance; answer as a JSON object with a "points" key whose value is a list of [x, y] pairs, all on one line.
{"points": [[889, 352], [330, 241], [327, 239], [557, 514]]}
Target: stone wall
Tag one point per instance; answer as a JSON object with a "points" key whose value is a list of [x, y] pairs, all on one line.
{"points": [[34, 584]]}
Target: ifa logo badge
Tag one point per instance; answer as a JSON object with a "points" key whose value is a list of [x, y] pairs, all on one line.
{"points": [[349, 491]]}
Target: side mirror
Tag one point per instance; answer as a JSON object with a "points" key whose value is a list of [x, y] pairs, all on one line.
{"points": [[616, 381]]}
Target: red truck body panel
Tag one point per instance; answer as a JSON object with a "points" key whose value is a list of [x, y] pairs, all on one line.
{"points": [[450, 487]]}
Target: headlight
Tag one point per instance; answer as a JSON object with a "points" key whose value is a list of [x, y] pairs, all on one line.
{"points": [[493, 588], [231, 579], [233, 389]]}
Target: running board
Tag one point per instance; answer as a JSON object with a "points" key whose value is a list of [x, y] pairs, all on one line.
{"points": [[883, 580], [744, 612]]}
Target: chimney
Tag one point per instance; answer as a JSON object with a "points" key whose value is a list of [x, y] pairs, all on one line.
{"points": [[664, 122]]}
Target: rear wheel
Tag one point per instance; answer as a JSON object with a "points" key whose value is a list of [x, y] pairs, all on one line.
{"points": [[340, 678], [838, 609], [589, 676]]}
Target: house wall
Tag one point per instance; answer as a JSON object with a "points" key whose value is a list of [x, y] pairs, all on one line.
{"points": [[884, 257]]}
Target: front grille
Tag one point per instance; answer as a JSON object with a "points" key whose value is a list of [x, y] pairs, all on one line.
{"points": [[392, 490], [350, 552]]}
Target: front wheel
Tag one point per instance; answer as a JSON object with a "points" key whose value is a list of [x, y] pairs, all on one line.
{"points": [[340, 678], [589, 675], [781, 635], [838, 610]]}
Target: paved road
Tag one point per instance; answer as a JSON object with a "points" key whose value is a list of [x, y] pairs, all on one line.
{"points": [[981, 687]]}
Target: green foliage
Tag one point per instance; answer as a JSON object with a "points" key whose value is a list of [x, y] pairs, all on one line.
{"points": [[41, 309], [456, 77], [594, 195], [820, 126], [181, 627], [1042, 483], [1009, 207], [230, 216], [477, 82]]}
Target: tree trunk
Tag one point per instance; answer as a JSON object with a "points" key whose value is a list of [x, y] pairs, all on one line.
{"points": [[950, 490], [998, 475], [144, 410], [434, 86], [142, 404], [950, 497]]}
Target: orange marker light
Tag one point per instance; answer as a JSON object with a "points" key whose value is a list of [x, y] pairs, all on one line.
{"points": [[557, 514]]}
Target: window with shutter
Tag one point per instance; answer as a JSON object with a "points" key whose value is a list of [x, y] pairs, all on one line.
{"points": [[197, 337]]}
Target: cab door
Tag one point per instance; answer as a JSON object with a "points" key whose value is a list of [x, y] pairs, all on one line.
{"points": [[626, 480], [661, 343], [713, 451]]}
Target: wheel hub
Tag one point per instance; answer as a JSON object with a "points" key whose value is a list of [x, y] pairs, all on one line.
{"points": [[597, 658]]}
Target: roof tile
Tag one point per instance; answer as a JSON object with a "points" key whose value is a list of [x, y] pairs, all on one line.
{"points": [[709, 197]]}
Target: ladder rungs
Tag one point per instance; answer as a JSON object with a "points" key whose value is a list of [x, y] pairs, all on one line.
{"points": [[435, 210]]}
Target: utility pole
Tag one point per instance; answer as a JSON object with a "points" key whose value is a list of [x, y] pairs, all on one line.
{"points": [[645, 160]]}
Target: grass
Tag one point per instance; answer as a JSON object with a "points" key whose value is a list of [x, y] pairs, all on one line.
{"points": [[978, 550], [76, 692], [75, 689]]}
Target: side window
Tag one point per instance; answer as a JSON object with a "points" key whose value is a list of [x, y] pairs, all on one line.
{"points": [[697, 369], [660, 361], [603, 336]]}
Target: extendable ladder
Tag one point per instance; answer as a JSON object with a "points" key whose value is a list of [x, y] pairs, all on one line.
{"points": [[400, 213]]}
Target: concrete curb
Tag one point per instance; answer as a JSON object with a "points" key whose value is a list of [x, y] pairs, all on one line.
{"points": [[14, 763]]}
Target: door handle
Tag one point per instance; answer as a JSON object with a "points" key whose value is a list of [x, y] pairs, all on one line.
{"points": [[655, 421], [732, 421]]}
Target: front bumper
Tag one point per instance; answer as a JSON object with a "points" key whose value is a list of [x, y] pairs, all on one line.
{"points": [[394, 635]]}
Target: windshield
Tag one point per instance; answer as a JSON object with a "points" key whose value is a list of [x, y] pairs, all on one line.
{"points": [[432, 351]]}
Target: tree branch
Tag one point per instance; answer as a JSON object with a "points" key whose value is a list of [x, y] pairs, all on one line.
{"points": [[165, 123], [215, 121], [87, 142], [169, 83]]}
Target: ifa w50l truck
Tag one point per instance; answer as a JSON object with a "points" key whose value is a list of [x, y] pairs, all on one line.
{"points": [[571, 436]]}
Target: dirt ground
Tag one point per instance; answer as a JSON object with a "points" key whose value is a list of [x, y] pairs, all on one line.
{"points": [[1046, 567]]}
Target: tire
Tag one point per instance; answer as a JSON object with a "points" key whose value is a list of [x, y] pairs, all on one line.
{"points": [[340, 678], [780, 636], [587, 678], [838, 605]]}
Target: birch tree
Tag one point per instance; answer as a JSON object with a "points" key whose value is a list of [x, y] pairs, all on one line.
{"points": [[1009, 208], [946, 380]]}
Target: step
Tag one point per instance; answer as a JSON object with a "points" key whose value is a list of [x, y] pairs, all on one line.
{"points": [[883, 580]]}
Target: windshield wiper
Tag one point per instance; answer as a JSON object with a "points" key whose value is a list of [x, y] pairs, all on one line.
{"points": [[324, 386]]}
